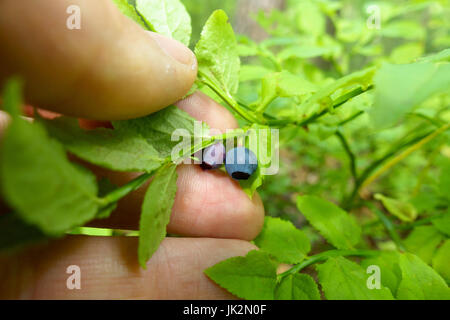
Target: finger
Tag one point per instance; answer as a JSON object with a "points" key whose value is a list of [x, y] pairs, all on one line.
{"points": [[108, 69], [109, 269], [207, 203]]}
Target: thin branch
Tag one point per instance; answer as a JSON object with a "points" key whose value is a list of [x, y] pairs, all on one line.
{"points": [[403, 155], [389, 226], [350, 154], [324, 256], [337, 103]]}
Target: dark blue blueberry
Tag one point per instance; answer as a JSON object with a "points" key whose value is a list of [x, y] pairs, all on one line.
{"points": [[241, 163], [213, 156]]}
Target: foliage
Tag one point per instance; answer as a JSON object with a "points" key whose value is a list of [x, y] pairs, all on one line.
{"points": [[365, 161]]}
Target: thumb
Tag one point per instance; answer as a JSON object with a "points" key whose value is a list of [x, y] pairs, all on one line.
{"points": [[108, 69]]}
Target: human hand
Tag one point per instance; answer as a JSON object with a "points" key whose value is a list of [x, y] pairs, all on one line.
{"points": [[124, 80]]}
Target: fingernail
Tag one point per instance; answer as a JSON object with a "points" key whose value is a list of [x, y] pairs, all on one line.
{"points": [[175, 49]]}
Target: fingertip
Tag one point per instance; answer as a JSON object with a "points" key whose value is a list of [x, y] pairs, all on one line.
{"points": [[176, 50], [203, 108]]}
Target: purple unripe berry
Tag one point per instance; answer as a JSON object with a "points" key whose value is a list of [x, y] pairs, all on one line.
{"points": [[241, 163], [213, 156]]}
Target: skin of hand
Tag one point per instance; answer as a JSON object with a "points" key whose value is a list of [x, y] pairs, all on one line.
{"points": [[111, 69]]}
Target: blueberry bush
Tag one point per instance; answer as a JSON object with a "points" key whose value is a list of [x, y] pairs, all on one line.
{"points": [[360, 94]]}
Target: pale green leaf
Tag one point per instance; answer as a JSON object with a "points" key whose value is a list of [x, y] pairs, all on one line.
{"points": [[335, 225], [442, 223], [444, 55], [423, 241], [251, 277], [167, 17], [310, 19], [403, 29], [253, 72], [128, 10], [390, 272], [283, 240], [156, 210], [297, 287], [342, 279], [400, 209], [406, 53], [400, 88], [323, 99], [217, 54], [441, 261], [420, 281], [282, 84]]}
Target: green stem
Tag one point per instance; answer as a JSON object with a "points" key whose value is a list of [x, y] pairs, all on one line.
{"points": [[124, 190], [420, 222], [374, 165], [337, 103], [270, 56], [389, 226], [351, 118], [403, 155], [324, 256], [231, 102], [349, 153]]}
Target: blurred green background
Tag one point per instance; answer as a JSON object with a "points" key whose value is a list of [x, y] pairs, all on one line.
{"points": [[324, 40]]}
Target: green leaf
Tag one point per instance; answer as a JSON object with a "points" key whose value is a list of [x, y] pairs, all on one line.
{"points": [[14, 233], [297, 287], [441, 261], [342, 279], [310, 18], [323, 99], [423, 241], [335, 225], [444, 180], [128, 10], [403, 29], [406, 53], [252, 277], [304, 52], [283, 240], [12, 97], [444, 55], [387, 261], [167, 17], [39, 182], [217, 54], [158, 128], [402, 210], [118, 150], [105, 187], [282, 84], [156, 210], [442, 223], [400, 88], [253, 72], [420, 281]]}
